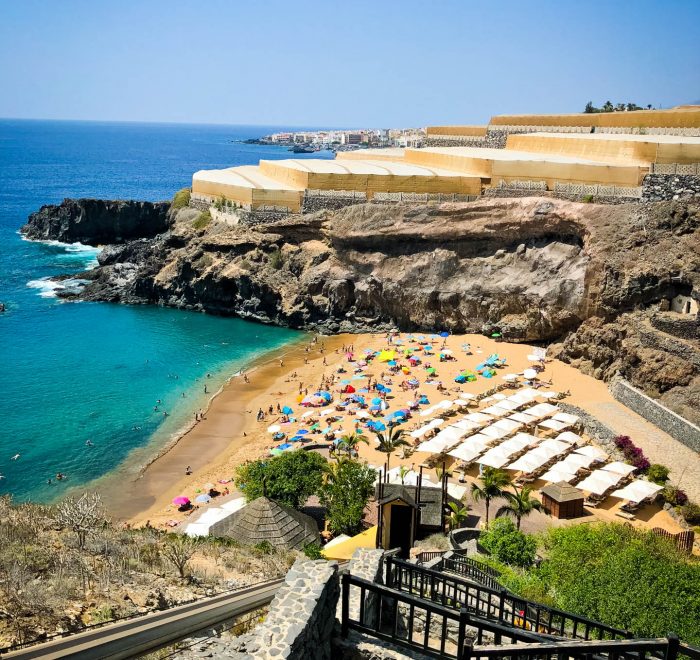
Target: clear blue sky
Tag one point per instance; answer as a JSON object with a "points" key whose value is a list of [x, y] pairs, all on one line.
{"points": [[329, 63]]}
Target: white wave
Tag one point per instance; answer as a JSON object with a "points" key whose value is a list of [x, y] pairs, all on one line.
{"points": [[72, 251], [47, 287]]}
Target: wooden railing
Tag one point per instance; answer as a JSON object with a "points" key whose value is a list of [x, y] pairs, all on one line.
{"points": [[470, 569], [423, 557], [437, 631], [495, 604]]}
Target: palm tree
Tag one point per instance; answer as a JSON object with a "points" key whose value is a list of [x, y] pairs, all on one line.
{"points": [[520, 504], [403, 471], [389, 441], [349, 443], [458, 514], [493, 483]]}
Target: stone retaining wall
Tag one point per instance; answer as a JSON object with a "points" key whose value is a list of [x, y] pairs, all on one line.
{"points": [[594, 429], [685, 327], [673, 424], [313, 204], [300, 622], [659, 187], [662, 342]]}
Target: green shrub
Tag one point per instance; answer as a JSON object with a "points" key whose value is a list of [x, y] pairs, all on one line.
{"points": [[507, 544], [275, 259], [691, 513], [202, 220], [624, 577], [587, 199], [345, 494], [658, 474], [221, 203], [674, 496], [263, 548], [181, 199], [313, 551]]}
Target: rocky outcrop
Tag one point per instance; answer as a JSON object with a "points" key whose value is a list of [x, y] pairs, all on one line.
{"points": [[533, 269], [97, 221]]}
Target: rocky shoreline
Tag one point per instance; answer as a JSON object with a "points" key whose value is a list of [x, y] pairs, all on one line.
{"points": [[531, 269]]}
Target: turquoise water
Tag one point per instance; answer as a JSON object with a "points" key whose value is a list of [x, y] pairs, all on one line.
{"points": [[73, 372]]}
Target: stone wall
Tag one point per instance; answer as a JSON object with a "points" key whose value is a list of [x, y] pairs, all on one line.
{"points": [[366, 564], [659, 187], [492, 140], [594, 429], [657, 339], [301, 618], [668, 421], [685, 327], [314, 204]]}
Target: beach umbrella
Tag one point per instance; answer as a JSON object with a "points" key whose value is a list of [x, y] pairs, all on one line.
{"points": [[427, 347], [386, 356], [324, 395], [287, 410], [345, 381], [495, 334], [302, 432], [378, 426], [181, 500], [430, 370], [315, 427], [444, 333], [359, 377], [275, 451], [275, 428], [424, 400], [446, 351], [376, 401], [530, 373], [308, 413], [203, 498]]}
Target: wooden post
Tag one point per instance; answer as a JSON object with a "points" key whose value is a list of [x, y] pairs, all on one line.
{"points": [[672, 648], [345, 623], [462, 652]]}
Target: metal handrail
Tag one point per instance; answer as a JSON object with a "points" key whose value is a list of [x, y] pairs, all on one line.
{"points": [[495, 603]]}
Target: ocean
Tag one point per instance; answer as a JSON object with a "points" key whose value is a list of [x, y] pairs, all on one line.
{"points": [[84, 384]]}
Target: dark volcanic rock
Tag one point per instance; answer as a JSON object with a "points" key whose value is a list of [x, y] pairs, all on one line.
{"points": [[97, 221]]}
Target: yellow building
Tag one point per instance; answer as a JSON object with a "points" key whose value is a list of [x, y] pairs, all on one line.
{"points": [[610, 148], [495, 165]]}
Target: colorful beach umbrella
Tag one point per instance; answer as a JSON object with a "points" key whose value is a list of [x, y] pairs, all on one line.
{"points": [[203, 498], [181, 500], [287, 410]]}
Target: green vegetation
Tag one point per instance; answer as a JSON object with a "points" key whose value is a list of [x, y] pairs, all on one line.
{"points": [[587, 199], [492, 486], [202, 220], [658, 474], [290, 478], [691, 513], [508, 544], [609, 107], [350, 443], [520, 504], [389, 441], [275, 259], [221, 203], [345, 494], [625, 577], [313, 551], [181, 199], [458, 514]]}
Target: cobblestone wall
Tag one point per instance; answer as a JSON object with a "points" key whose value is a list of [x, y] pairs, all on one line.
{"points": [[300, 621], [366, 564], [313, 204], [668, 421], [669, 344], [658, 187], [687, 327]]}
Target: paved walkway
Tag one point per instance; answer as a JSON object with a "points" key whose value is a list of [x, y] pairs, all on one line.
{"points": [[658, 446]]}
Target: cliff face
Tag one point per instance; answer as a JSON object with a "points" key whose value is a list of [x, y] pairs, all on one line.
{"points": [[97, 221], [533, 269]]}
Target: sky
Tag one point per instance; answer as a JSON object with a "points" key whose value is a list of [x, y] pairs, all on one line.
{"points": [[361, 64]]}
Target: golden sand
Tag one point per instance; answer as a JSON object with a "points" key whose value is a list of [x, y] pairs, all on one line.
{"points": [[230, 433]]}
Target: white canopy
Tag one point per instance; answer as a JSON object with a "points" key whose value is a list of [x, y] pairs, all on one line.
{"points": [[469, 449], [571, 438], [593, 452], [495, 458], [554, 424], [549, 395], [233, 505], [556, 447], [530, 373], [510, 406], [531, 439], [419, 433], [565, 417], [478, 418], [446, 439], [523, 418], [541, 410], [577, 461], [494, 432], [559, 473], [528, 462], [494, 397], [637, 491], [456, 491], [523, 396], [507, 425], [599, 481], [618, 467], [514, 445], [510, 377], [494, 411], [466, 425]]}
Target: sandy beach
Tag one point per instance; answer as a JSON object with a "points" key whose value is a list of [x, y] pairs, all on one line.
{"points": [[230, 433]]}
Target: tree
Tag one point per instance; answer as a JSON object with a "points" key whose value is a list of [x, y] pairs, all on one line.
{"points": [[403, 471], [520, 504], [345, 493], [389, 441], [493, 483], [508, 544], [83, 516], [625, 577], [178, 550], [349, 443], [458, 514], [590, 108], [290, 478], [608, 107]]}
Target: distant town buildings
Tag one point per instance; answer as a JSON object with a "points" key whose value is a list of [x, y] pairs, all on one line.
{"points": [[342, 140]]}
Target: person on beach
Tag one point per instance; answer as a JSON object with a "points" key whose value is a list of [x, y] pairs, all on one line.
{"points": [[188, 470], [205, 391], [245, 378]]}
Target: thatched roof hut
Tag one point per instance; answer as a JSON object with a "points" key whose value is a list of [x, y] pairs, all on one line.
{"points": [[562, 500], [266, 520]]}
